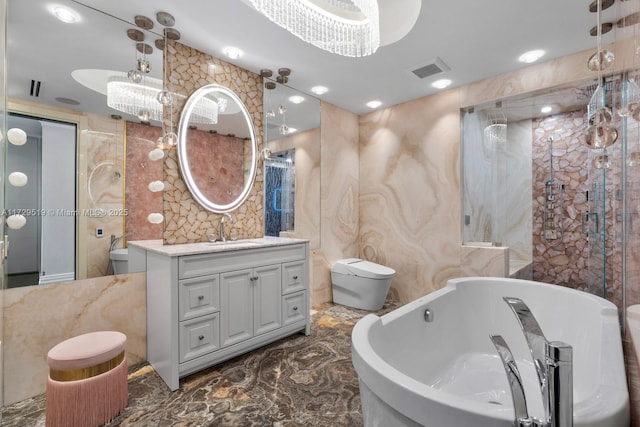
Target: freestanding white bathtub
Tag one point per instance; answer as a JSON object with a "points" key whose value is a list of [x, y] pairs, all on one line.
{"points": [[447, 373]]}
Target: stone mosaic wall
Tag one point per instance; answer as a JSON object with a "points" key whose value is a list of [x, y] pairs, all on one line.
{"points": [[185, 220], [566, 259]]}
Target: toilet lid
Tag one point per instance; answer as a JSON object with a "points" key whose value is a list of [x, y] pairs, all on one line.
{"points": [[371, 270]]}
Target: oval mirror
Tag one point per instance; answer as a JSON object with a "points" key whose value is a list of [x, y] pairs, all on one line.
{"points": [[217, 148]]}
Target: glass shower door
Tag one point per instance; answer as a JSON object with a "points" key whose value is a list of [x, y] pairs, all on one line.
{"points": [[279, 195], [594, 226]]}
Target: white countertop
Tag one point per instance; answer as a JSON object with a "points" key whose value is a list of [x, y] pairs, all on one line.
{"points": [[206, 247]]}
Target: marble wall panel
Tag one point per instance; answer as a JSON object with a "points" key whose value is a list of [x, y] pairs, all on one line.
{"points": [[484, 261], [409, 179], [339, 202], [38, 317], [105, 175], [185, 221]]}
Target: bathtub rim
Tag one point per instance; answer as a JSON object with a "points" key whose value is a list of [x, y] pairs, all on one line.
{"points": [[417, 399]]}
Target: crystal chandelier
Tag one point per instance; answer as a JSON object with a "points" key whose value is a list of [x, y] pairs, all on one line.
{"points": [[129, 97], [343, 27]]}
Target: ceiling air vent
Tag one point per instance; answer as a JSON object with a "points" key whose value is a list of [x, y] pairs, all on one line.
{"points": [[35, 88], [429, 69]]}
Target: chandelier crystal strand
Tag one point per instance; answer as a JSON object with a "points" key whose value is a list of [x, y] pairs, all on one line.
{"points": [[344, 27]]}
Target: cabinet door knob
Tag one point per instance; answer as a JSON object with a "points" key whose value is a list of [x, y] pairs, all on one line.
{"points": [[200, 297], [295, 277], [201, 337], [295, 308]]}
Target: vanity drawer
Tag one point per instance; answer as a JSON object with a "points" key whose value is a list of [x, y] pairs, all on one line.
{"points": [[199, 336], [293, 275], [198, 296], [190, 266], [294, 307]]}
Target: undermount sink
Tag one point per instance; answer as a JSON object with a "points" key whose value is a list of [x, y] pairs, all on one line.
{"points": [[235, 243]]}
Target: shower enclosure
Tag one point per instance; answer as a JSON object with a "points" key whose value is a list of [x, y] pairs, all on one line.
{"points": [[568, 212]]}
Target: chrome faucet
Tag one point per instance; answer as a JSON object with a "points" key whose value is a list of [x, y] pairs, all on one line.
{"points": [[223, 234], [554, 366], [515, 381]]}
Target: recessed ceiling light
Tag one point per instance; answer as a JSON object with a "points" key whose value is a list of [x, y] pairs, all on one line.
{"points": [[319, 90], [64, 14], [373, 104], [232, 52], [296, 99], [546, 109], [441, 84], [531, 56]]}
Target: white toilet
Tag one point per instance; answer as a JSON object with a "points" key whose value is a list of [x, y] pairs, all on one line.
{"points": [[360, 284], [120, 260]]}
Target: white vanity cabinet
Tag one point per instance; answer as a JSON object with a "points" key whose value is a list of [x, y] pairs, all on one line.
{"points": [[207, 307], [253, 298]]}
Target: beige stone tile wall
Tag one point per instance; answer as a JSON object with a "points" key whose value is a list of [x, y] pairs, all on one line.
{"points": [[410, 192], [185, 220]]}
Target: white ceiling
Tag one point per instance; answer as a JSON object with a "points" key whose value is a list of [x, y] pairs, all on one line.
{"points": [[476, 39]]}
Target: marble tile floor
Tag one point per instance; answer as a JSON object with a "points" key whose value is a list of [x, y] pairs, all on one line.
{"points": [[297, 381]]}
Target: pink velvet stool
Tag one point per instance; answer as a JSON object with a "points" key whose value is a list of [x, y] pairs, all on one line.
{"points": [[87, 384]]}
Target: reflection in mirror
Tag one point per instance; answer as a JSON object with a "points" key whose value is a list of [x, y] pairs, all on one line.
{"points": [[292, 163], [279, 190], [43, 249], [217, 148], [40, 85]]}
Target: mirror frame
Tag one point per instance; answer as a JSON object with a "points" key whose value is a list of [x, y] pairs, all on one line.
{"points": [[183, 127]]}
